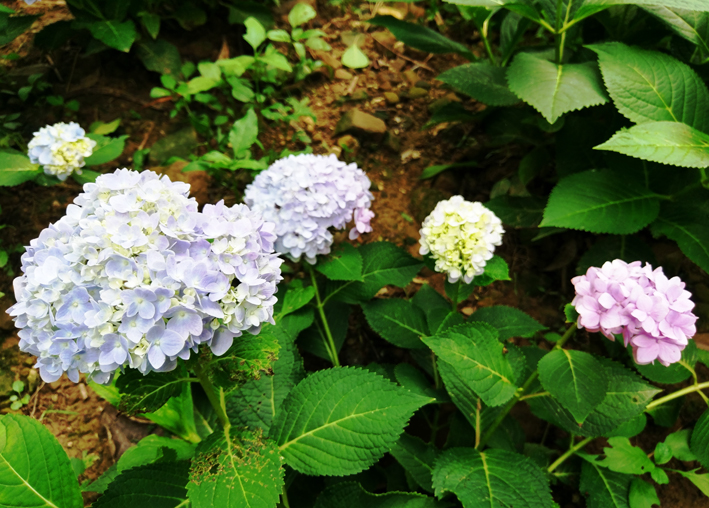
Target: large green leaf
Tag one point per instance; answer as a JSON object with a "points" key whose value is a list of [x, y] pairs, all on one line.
{"points": [[692, 5], [420, 37], [518, 211], [648, 86], [398, 321], [600, 202], [244, 133], [685, 223], [13, 27], [352, 495], [314, 338], [383, 263], [159, 485], [343, 263], [604, 488], [676, 372], [576, 379], [114, 34], [16, 168], [34, 469], [433, 305], [160, 56], [672, 143], [692, 25], [699, 444], [482, 81], [417, 458], [235, 469], [256, 402], [107, 149], [623, 457], [555, 89], [145, 393], [626, 398], [295, 299], [340, 421], [493, 478], [478, 357], [508, 321]]}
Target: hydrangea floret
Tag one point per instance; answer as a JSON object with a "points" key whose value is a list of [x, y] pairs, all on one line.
{"points": [[652, 312], [60, 149], [461, 237], [135, 276], [305, 195]]}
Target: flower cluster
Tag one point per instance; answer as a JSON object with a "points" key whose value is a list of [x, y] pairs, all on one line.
{"points": [[653, 313], [307, 194], [61, 149], [134, 276], [461, 237]]}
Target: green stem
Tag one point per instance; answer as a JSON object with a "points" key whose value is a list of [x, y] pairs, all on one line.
{"points": [[572, 450], [217, 401], [477, 423], [284, 498], [560, 37], [677, 394], [436, 375], [454, 297], [520, 392], [486, 41], [330, 344]]}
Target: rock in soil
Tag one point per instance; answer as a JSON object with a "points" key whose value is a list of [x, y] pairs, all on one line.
{"points": [[198, 180], [359, 122], [179, 144]]}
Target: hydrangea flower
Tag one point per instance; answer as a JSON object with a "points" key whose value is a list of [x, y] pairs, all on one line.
{"points": [[134, 276], [461, 236], [652, 312], [30, 2], [304, 195], [60, 149]]}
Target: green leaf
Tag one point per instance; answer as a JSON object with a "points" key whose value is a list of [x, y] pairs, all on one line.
{"points": [[14, 26], [244, 133], [627, 248], [255, 32], [699, 445], [622, 457], [663, 453], [555, 89], [295, 299], [648, 86], [415, 381], [34, 469], [518, 211], [508, 321], [159, 56], [177, 415], [107, 150], [114, 34], [105, 128], [477, 355], [354, 58], [314, 338], [16, 168], [420, 37], [433, 305], [576, 379], [257, 402], [432, 171], [630, 428], [676, 372], [482, 81], [642, 494], [352, 495], [604, 488], [692, 25], [383, 263], [247, 358], [300, 13], [235, 469], [600, 202], [200, 84], [684, 223], [678, 443], [693, 5], [278, 35], [417, 458], [626, 398], [495, 269], [343, 263], [340, 421], [160, 485], [483, 479], [397, 320], [671, 143], [700, 480], [143, 394], [151, 22]]}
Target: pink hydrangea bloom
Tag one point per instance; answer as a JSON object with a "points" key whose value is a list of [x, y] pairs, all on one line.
{"points": [[652, 312]]}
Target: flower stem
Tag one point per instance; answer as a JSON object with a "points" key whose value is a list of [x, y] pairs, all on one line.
{"points": [[284, 498], [572, 450], [216, 400], [454, 297], [330, 344], [678, 393]]}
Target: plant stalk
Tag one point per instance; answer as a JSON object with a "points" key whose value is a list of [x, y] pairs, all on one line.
{"points": [[284, 498], [486, 41], [216, 400], [677, 394], [454, 297], [330, 344], [572, 450]]}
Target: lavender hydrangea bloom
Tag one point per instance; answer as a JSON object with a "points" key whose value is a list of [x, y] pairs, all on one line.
{"points": [[134, 276], [60, 149], [304, 195], [30, 2], [652, 312]]}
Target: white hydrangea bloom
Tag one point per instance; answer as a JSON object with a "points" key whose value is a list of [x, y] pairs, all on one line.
{"points": [[135, 276], [461, 236], [60, 149], [305, 195]]}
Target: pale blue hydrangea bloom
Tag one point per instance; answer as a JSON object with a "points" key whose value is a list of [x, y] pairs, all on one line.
{"points": [[304, 195], [30, 2], [60, 149], [134, 276]]}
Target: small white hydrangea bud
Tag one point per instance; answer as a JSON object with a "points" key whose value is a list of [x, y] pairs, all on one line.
{"points": [[60, 149]]}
